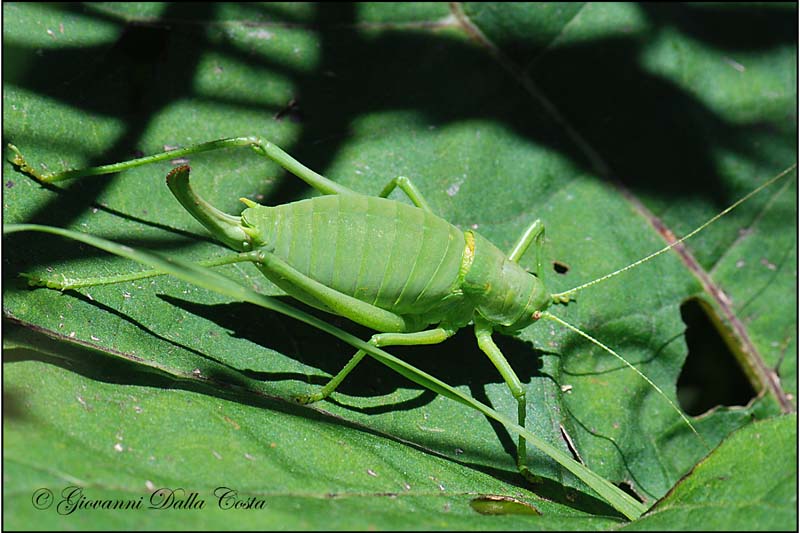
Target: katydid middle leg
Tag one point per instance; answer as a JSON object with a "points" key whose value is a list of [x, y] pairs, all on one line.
{"points": [[430, 336], [408, 187], [532, 234]]}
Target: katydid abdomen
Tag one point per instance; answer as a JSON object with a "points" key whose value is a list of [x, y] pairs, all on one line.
{"points": [[397, 257]]}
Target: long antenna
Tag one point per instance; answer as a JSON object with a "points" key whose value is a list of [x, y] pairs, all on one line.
{"points": [[564, 296]]}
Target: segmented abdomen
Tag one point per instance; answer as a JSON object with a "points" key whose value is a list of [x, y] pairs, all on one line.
{"points": [[383, 252]]}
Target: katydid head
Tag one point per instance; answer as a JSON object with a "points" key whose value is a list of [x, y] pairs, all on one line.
{"points": [[538, 302]]}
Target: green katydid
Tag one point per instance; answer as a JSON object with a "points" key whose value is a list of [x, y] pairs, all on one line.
{"points": [[425, 273]]}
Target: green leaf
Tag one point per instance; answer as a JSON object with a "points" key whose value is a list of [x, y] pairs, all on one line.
{"points": [[500, 114], [744, 484], [208, 279], [296, 467]]}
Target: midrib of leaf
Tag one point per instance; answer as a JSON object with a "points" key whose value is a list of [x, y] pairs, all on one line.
{"points": [[473, 32]]}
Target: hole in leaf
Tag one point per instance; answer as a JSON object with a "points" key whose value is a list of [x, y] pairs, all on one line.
{"points": [[560, 268], [711, 375]]}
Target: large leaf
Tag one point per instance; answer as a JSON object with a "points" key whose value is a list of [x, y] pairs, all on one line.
{"points": [[725, 496], [500, 114]]}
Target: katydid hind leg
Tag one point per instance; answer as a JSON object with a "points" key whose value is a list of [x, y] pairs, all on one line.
{"points": [[314, 293], [431, 336], [258, 144]]}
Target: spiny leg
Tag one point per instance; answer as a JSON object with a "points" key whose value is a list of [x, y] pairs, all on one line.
{"points": [[533, 234], [431, 336], [259, 144], [483, 332], [408, 187]]}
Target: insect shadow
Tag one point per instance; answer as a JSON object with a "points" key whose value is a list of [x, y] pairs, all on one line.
{"points": [[458, 360]]}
